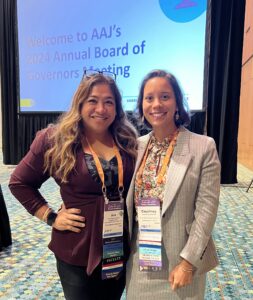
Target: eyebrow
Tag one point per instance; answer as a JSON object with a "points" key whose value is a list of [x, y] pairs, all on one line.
{"points": [[163, 92], [170, 92], [97, 96]]}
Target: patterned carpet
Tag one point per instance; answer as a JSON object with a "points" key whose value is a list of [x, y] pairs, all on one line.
{"points": [[27, 269]]}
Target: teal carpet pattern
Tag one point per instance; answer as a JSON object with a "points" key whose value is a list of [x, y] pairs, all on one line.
{"points": [[28, 271]]}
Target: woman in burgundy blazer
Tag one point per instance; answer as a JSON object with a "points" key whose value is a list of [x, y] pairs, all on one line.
{"points": [[96, 120]]}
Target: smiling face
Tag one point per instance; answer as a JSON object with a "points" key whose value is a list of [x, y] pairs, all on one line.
{"points": [[99, 109], [159, 104]]}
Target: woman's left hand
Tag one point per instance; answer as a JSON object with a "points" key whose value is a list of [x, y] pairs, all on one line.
{"points": [[181, 275], [69, 219]]}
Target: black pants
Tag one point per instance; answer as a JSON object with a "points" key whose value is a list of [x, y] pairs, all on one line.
{"points": [[77, 285]]}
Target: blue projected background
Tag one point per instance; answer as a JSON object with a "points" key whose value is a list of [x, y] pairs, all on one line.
{"points": [[59, 39]]}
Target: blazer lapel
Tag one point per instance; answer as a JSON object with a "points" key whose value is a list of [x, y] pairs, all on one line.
{"points": [[179, 163]]}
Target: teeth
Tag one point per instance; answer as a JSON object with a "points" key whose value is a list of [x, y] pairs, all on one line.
{"points": [[97, 117], [158, 114]]}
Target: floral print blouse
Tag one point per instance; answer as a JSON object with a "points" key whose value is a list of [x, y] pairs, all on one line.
{"points": [[149, 188]]}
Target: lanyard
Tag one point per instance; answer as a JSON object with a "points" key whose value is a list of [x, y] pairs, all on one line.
{"points": [[101, 171], [165, 162]]}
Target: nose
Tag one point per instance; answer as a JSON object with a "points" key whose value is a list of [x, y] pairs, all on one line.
{"points": [[100, 107], [156, 102]]}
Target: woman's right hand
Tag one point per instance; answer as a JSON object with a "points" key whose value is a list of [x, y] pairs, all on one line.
{"points": [[69, 219]]}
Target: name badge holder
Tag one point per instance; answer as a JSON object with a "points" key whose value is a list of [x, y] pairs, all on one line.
{"points": [[113, 253], [150, 236]]}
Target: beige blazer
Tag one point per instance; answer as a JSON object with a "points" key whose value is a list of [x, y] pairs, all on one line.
{"points": [[191, 200]]}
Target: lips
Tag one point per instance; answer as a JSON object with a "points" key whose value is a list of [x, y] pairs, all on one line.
{"points": [[158, 115], [99, 117]]}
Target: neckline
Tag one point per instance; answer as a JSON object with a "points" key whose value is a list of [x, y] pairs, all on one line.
{"points": [[101, 158]]}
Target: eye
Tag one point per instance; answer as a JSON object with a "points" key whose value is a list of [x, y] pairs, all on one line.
{"points": [[109, 102], [148, 98], [92, 101], [165, 97]]}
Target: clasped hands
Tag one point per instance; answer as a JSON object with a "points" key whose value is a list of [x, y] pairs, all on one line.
{"points": [[69, 219], [181, 275]]}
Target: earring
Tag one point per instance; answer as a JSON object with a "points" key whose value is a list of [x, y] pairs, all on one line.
{"points": [[177, 115], [142, 119]]}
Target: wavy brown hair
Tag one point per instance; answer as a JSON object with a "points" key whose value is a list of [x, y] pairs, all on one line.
{"points": [[60, 158]]}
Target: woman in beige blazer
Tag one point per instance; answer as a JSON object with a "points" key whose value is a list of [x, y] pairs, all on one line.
{"points": [[182, 170]]}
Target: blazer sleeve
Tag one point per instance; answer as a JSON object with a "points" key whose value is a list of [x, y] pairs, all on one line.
{"points": [[206, 206], [29, 174]]}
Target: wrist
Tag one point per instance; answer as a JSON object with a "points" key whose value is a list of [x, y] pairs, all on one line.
{"points": [[45, 214], [51, 218], [186, 264], [186, 270]]}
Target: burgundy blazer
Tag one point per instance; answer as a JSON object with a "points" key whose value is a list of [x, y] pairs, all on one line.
{"points": [[81, 191]]}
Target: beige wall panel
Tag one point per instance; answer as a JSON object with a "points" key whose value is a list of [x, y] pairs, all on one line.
{"points": [[245, 134], [245, 137], [248, 32]]}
